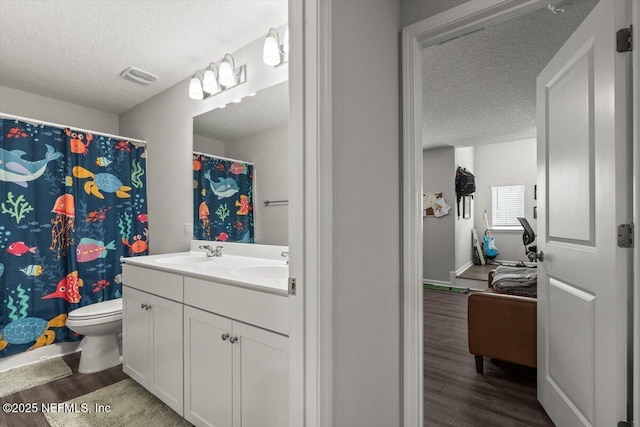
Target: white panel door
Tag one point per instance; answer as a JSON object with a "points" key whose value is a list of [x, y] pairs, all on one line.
{"points": [[166, 351], [583, 144], [207, 369], [135, 335], [260, 377]]}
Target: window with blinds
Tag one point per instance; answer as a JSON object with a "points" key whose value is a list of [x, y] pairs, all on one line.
{"points": [[507, 204]]}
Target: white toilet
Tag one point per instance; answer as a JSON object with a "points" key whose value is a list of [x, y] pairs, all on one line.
{"points": [[101, 325]]}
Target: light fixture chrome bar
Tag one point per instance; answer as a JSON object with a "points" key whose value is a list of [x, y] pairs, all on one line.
{"points": [[242, 78]]}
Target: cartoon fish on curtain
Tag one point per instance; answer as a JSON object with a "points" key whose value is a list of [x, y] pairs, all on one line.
{"points": [[223, 199], [70, 207]]}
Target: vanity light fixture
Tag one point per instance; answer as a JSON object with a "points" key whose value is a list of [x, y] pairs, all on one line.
{"points": [[195, 87], [216, 78], [210, 81], [272, 52], [228, 75]]}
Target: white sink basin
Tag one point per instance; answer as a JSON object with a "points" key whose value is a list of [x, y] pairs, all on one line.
{"points": [[262, 272], [183, 260]]}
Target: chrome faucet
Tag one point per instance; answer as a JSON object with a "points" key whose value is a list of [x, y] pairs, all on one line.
{"points": [[211, 252], [285, 255]]}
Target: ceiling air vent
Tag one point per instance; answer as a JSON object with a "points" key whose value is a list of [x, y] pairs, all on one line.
{"points": [[138, 76]]}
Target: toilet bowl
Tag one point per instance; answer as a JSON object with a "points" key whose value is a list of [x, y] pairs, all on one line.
{"points": [[101, 325]]}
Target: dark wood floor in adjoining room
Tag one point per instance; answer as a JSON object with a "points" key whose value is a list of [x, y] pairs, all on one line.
{"points": [[455, 394], [57, 392]]}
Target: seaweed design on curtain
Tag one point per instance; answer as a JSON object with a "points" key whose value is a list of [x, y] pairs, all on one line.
{"points": [[71, 204], [222, 199]]}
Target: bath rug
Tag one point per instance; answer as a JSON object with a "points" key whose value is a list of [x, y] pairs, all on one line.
{"points": [[24, 377], [129, 404]]}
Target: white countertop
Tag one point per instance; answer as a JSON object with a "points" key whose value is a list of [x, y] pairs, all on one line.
{"points": [[232, 269]]}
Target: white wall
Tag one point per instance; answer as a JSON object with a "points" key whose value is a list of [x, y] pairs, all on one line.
{"points": [[366, 214], [509, 163], [166, 122], [464, 157], [438, 234], [25, 104], [209, 145], [269, 154]]}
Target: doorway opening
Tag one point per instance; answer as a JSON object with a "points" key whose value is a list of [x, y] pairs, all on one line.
{"points": [[461, 20]]}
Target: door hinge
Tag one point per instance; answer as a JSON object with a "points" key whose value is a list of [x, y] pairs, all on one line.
{"points": [[292, 286], [625, 424], [625, 235], [623, 39]]}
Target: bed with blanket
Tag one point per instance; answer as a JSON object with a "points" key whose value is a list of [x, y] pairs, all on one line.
{"points": [[521, 281]]}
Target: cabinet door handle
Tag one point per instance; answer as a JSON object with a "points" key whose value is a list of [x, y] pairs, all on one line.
{"points": [[233, 339], [148, 307], [142, 305], [224, 337]]}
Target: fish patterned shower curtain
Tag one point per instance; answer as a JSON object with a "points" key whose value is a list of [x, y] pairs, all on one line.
{"points": [[71, 204], [223, 199]]}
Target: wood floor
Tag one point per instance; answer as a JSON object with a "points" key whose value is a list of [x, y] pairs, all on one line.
{"points": [[455, 395], [58, 391], [478, 272]]}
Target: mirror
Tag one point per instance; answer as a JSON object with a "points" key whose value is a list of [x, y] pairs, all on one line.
{"points": [[240, 162]]}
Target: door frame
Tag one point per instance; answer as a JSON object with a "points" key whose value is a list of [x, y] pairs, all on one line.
{"points": [[310, 211], [459, 20]]}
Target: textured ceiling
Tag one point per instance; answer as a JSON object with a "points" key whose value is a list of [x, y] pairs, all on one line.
{"points": [[481, 88], [75, 50], [267, 110]]}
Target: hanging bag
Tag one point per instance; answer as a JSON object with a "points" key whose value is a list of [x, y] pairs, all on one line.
{"points": [[465, 185]]}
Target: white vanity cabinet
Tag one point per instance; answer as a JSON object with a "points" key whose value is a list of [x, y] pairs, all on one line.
{"points": [[235, 374], [213, 349], [152, 334]]}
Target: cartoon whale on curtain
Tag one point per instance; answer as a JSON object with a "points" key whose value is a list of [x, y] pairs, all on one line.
{"points": [[13, 168]]}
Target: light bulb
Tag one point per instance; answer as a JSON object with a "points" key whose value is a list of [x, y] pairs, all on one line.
{"points": [[271, 50], [195, 88], [285, 45], [209, 82], [227, 75]]}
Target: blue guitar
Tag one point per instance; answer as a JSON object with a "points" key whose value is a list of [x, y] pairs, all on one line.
{"points": [[490, 249]]}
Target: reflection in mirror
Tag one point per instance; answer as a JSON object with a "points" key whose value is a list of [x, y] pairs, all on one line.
{"points": [[240, 170]]}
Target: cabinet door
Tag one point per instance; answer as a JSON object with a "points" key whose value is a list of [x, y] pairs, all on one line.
{"points": [[166, 352], [135, 335], [260, 377], [207, 368]]}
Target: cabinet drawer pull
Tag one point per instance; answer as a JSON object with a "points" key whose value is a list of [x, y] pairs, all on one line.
{"points": [[224, 337], [233, 339]]}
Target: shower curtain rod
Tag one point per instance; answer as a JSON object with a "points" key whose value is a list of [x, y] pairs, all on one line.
{"points": [[223, 158], [57, 125]]}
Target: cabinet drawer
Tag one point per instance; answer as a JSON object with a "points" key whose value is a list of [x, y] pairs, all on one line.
{"points": [[155, 282], [266, 310]]}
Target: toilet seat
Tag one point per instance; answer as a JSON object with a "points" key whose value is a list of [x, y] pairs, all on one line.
{"points": [[105, 311]]}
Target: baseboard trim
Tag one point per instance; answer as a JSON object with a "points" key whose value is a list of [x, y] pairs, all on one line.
{"points": [[464, 267], [435, 282], [39, 354]]}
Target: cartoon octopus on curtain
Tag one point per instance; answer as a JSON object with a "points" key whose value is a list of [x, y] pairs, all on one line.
{"points": [[223, 199], [71, 204]]}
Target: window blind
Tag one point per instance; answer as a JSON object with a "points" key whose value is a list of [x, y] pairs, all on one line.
{"points": [[507, 204]]}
